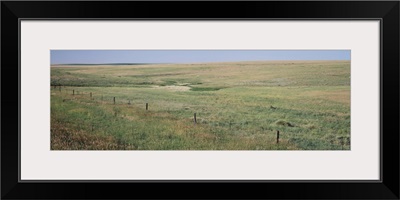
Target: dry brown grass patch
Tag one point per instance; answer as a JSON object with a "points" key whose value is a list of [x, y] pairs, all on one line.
{"points": [[64, 138]]}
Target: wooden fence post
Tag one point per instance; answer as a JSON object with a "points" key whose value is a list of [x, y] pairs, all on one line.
{"points": [[90, 94], [195, 120], [114, 100], [277, 137], [147, 106], [73, 92]]}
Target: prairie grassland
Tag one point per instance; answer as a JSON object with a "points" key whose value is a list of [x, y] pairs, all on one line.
{"points": [[238, 106]]}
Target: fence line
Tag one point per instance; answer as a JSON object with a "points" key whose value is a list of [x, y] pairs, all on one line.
{"points": [[92, 96]]}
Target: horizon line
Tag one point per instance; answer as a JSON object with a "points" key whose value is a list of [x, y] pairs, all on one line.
{"points": [[133, 63]]}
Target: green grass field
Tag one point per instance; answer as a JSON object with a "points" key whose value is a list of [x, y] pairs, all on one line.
{"points": [[238, 106]]}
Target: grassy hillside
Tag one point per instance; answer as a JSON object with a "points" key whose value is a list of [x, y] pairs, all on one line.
{"points": [[238, 106]]}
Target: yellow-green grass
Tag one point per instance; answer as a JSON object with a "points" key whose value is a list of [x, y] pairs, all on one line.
{"points": [[239, 106]]}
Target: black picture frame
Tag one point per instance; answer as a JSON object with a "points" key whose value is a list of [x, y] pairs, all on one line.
{"points": [[386, 11]]}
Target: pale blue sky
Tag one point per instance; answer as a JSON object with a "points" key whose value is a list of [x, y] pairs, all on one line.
{"points": [[189, 56]]}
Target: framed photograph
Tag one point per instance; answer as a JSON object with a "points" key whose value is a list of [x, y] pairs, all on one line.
{"points": [[301, 98]]}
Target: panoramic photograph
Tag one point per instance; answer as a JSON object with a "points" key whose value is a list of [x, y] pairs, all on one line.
{"points": [[264, 100]]}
